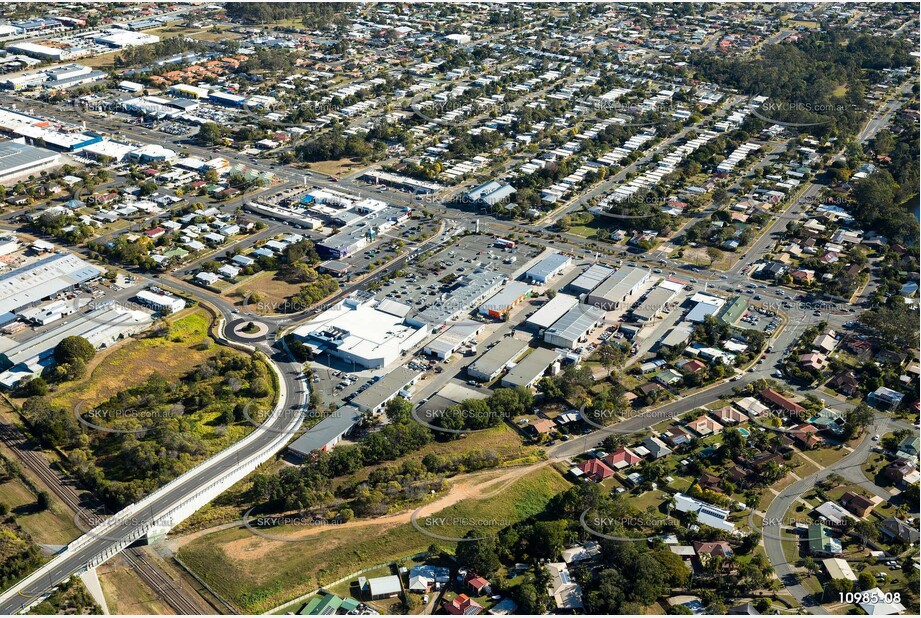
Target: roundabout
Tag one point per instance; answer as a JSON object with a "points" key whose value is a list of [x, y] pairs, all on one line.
{"points": [[248, 330]]}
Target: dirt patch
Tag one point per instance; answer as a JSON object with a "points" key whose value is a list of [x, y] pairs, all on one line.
{"points": [[269, 293], [339, 167]]}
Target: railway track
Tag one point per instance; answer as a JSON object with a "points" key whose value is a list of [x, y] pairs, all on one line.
{"points": [[169, 590]]}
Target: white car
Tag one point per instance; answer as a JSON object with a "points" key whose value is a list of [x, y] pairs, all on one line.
{"points": [[876, 438]]}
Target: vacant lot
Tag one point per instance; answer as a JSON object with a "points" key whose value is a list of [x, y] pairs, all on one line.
{"points": [[698, 255], [52, 526], [339, 167], [245, 568], [186, 346], [270, 293], [126, 593]]}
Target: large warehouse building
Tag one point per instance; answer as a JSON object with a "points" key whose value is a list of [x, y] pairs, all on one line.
{"points": [[19, 160], [362, 331], [101, 327], [505, 300], [572, 328], [614, 291], [43, 279], [495, 360]]}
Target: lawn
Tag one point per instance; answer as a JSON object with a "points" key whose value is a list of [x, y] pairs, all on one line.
{"points": [[126, 593], [698, 255], [243, 568], [826, 456], [503, 440], [51, 526], [140, 358], [273, 291], [338, 167]]}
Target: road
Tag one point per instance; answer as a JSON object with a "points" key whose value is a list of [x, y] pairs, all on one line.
{"points": [[776, 525], [273, 434]]}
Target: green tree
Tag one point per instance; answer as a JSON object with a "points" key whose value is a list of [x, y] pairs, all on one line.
{"points": [[74, 348], [478, 553]]}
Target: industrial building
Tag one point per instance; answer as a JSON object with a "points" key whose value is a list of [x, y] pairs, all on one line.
{"points": [[395, 383], [552, 311], [19, 160], [120, 39], [327, 433], [466, 293], [490, 193], [571, 329], [101, 327], [614, 291], [362, 331], [505, 300], [159, 302], [704, 305], [444, 345], [226, 98], [653, 304], [42, 52], [43, 279], [731, 312], [532, 368], [495, 360], [548, 268], [678, 336], [402, 182], [589, 279]]}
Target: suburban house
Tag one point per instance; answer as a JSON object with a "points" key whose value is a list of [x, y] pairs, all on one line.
{"points": [[704, 426], [902, 470], [478, 586], [772, 396], [821, 543], [857, 504], [656, 448], [622, 458], [706, 552], [676, 436], [566, 593], [596, 470], [462, 605], [728, 415], [845, 382], [899, 530]]}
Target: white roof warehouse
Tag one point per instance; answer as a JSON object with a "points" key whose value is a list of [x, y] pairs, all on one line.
{"points": [[43, 279], [19, 160]]}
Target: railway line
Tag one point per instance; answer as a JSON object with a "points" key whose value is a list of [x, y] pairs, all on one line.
{"points": [[172, 592]]}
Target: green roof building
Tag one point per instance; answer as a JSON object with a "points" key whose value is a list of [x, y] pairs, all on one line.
{"points": [[732, 311], [821, 543], [325, 605]]}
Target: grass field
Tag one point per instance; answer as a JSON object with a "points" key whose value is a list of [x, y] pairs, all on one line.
{"points": [[126, 593], [140, 358], [339, 167], [274, 293], [503, 440], [51, 526], [244, 568], [698, 255]]}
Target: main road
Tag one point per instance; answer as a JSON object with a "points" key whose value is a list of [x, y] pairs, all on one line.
{"points": [[159, 509]]}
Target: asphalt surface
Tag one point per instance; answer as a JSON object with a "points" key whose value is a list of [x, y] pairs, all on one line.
{"points": [[274, 434]]}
